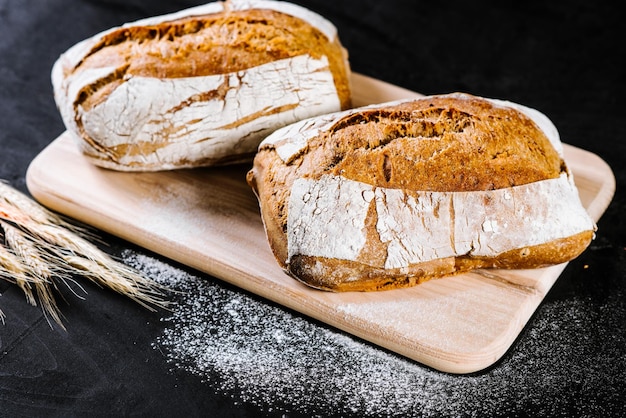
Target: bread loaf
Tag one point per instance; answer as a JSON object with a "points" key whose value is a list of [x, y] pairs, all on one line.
{"points": [[391, 195], [199, 87]]}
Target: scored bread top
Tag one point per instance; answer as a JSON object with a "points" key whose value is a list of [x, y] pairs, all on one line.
{"points": [[199, 87], [217, 38], [418, 188], [453, 142]]}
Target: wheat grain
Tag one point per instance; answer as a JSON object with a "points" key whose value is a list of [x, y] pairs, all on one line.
{"points": [[13, 270], [40, 248], [25, 207], [39, 266]]}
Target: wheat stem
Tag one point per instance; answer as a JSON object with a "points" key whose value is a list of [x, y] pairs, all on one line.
{"points": [[38, 265], [41, 247]]}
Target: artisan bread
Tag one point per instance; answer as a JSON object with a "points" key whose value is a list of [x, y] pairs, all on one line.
{"points": [[199, 87], [391, 195]]}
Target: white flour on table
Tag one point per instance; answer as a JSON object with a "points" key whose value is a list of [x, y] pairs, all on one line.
{"points": [[283, 363]]}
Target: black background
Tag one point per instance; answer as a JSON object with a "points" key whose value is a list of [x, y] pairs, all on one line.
{"points": [[562, 58]]}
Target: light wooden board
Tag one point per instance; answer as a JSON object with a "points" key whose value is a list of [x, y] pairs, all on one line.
{"points": [[209, 219]]}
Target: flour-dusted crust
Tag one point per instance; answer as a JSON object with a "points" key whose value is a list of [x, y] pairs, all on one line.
{"points": [[390, 195], [199, 87]]}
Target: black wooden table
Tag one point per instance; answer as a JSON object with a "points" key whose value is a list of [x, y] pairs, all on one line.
{"points": [[223, 352]]}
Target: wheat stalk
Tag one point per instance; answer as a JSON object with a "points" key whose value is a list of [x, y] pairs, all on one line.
{"points": [[36, 266], [13, 270], [40, 249]]}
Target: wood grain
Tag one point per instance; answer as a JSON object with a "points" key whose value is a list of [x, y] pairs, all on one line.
{"points": [[209, 219]]}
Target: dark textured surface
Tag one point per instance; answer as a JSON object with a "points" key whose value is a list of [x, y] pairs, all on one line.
{"points": [[562, 58]]}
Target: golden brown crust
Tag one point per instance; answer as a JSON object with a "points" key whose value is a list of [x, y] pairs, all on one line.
{"points": [[199, 87], [272, 194], [440, 144], [218, 43], [347, 276]]}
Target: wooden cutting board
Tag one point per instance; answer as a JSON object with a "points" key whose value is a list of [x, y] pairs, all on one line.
{"points": [[209, 219]]}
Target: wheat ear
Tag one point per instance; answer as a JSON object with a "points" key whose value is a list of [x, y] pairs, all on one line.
{"points": [[41, 248], [38, 268]]}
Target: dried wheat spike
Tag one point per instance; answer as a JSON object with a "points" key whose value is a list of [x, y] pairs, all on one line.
{"points": [[39, 248]]}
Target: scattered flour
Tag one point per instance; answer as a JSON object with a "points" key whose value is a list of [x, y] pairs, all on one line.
{"points": [[284, 364]]}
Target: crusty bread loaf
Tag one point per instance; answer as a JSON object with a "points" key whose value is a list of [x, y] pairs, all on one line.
{"points": [[390, 195], [199, 87]]}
